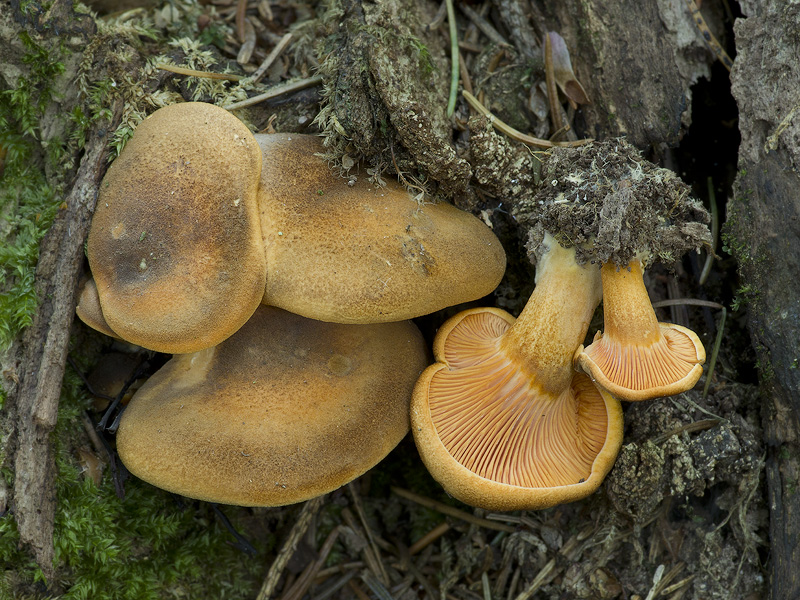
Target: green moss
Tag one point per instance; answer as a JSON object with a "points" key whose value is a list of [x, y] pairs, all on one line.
{"points": [[145, 546], [28, 202]]}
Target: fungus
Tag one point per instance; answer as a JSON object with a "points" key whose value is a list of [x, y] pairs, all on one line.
{"points": [[175, 243], [284, 410], [350, 251], [502, 420], [636, 357], [89, 311]]}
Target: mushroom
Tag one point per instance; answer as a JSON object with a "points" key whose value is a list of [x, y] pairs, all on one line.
{"points": [[350, 251], [175, 243], [502, 420], [636, 357], [89, 311], [284, 410]]}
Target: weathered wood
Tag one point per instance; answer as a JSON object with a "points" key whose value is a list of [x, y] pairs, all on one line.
{"points": [[44, 355], [764, 228], [636, 61]]}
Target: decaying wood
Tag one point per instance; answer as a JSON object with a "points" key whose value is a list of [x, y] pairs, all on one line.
{"points": [[44, 355], [631, 65], [764, 224]]}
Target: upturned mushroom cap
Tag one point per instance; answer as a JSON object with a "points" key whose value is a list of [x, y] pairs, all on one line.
{"points": [[636, 357], [284, 410], [501, 420], [175, 243], [363, 253]]}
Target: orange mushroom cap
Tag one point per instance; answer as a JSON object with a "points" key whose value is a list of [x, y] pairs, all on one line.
{"points": [[89, 311], [284, 410], [636, 357], [175, 243], [356, 252], [502, 421]]}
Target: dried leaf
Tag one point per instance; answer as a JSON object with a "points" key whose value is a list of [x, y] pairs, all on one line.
{"points": [[562, 69]]}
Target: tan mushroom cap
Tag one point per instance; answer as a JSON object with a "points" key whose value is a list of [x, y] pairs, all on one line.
{"points": [[363, 253], [89, 311], [284, 410], [501, 420], [175, 244], [636, 357]]}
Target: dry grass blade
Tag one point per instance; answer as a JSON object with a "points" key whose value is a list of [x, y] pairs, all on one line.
{"points": [[430, 537], [278, 90], [483, 24], [307, 513], [300, 587], [368, 531], [196, 73], [513, 133], [276, 52]]}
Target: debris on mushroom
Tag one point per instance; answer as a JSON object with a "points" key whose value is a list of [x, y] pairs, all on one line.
{"points": [[502, 420], [175, 243], [636, 357], [284, 410], [350, 251]]}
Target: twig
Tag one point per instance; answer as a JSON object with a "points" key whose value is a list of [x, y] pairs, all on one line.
{"points": [[483, 25], [276, 52], [454, 62], [278, 90], [513, 133], [44, 350], [300, 586], [430, 537], [368, 531], [708, 37], [689, 428], [307, 513], [196, 73], [449, 510], [687, 302]]}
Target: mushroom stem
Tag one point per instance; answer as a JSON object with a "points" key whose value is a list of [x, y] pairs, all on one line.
{"points": [[636, 357], [556, 318], [627, 312]]}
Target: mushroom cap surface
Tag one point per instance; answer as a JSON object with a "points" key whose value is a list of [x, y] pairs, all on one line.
{"points": [[364, 253], [175, 243], [89, 311], [637, 357], [284, 410], [497, 439]]}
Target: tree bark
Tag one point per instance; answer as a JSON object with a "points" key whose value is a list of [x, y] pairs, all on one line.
{"points": [[763, 229]]}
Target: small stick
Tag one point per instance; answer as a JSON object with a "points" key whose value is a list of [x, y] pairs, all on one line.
{"points": [[308, 511], [360, 511], [241, 10], [195, 73], [483, 25], [303, 582], [687, 302], [278, 90], [449, 510], [430, 537], [518, 135], [276, 52]]}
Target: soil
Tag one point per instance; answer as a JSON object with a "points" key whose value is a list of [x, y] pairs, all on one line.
{"points": [[701, 503]]}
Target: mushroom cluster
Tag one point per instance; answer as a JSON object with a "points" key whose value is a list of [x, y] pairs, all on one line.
{"points": [[517, 414], [204, 236]]}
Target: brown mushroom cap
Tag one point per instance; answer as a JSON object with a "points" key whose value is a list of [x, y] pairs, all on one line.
{"points": [[175, 243], [363, 253], [501, 420], [284, 410], [89, 311], [636, 357]]}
